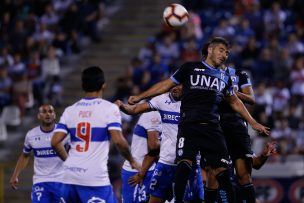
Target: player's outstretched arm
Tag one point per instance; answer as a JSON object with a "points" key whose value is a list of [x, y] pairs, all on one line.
{"points": [[56, 143], [269, 150], [123, 147], [21, 164], [238, 106], [150, 158], [157, 89], [247, 95], [133, 109]]}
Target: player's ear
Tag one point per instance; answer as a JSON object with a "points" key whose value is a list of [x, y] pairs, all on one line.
{"points": [[104, 86], [209, 49]]}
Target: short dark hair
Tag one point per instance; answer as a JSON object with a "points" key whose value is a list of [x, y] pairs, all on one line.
{"points": [[92, 79], [215, 40]]}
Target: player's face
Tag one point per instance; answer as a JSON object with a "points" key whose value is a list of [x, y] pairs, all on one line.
{"points": [[177, 91], [47, 114], [218, 54]]}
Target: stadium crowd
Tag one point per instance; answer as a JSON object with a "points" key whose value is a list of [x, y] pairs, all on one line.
{"points": [[35, 39], [267, 40]]}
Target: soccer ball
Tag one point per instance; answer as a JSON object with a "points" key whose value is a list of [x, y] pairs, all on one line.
{"points": [[175, 15]]}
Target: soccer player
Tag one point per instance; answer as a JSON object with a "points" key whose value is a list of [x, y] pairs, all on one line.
{"points": [[48, 167], [236, 134], [168, 105], [91, 122], [145, 142], [205, 85]]}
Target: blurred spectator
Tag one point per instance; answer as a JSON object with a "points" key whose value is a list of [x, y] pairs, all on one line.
{"points": [[34, 73], [244, 32], [21, 90], [224, 29], [294, 45], [282, 65], [250, 53], [55, 91], [282, 134], [297, 78], [50, 64], [90, 16], [140, 77], [157, 70], [5, 57], [49, 18], [18, 67], [281, 97], [274, 19], [146, 53], [190, 51], [263, 68], [5, 87], [168, 48], [299, 137]]}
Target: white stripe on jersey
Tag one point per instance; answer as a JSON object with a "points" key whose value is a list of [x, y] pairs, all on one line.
{"points": [[170, 115], [139, 148], [88, 122], [48, 167]]}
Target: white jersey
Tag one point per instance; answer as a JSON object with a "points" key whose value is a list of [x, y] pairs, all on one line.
{"points": [[139, 148], [169, 110], [88, 122], [48, 167]]}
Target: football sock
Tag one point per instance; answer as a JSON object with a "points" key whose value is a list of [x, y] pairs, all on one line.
{"points": [[226, 192], [248, 193], [183, 170], [210, 195]]}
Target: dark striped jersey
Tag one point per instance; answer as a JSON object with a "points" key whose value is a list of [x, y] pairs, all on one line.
{"points": [[204, 88], [240, 79]]}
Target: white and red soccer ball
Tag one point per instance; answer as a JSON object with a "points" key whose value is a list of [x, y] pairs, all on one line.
{"points": [[175, 15]]}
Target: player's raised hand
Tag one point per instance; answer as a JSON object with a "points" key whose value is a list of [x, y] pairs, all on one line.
{"points": [[14, 182], [133, 100], [261, 129], [270, 149]]}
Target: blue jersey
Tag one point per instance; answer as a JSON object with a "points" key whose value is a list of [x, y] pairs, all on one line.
{"points": [[204, 88], [240, 80]]}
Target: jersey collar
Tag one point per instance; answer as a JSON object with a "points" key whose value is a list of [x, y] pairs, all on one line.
{"points": [[208, 66]]}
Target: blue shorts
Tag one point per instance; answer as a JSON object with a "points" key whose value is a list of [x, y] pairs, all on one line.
{"points": [[46, 192], [195, 185], [138, 193], [161, 185], [79, 193]]}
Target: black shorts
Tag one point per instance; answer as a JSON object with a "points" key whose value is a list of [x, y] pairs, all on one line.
{"points": [[206, 138], [237, 139]]}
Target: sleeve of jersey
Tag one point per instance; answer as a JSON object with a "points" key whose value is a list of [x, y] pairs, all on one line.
{"points": [[244, 80], [62, 126], [114, 119], [154, 103], [229, 89], [27, 147], [179, 76], [152, 121]]}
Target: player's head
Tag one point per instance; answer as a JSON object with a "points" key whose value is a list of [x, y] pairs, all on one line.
{"points": [[46, 114], [92, 79], [216, 51], [177, 92]]}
